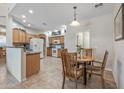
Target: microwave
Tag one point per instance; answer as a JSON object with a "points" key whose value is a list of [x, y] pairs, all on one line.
{"points": [[56, 41]]}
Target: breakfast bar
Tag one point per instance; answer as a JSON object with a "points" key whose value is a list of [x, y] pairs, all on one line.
{"points": [[22, 64]]}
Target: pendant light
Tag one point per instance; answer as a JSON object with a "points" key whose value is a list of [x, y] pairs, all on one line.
{"points": [[75, 22]]}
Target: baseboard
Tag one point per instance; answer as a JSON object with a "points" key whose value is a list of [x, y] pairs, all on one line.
{"points": [[115, 79], [108, 69], [24, 79]]}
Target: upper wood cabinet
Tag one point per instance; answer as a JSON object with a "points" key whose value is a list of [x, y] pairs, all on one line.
{"points": [[42, 36], [23, 37], [50, 41], [28, 37], [20, 36], [15, 35], [61, 38]]}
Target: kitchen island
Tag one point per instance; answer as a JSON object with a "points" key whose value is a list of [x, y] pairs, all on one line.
{"points": [[22, 64]]}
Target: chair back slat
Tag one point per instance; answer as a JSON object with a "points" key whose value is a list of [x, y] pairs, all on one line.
{"points": [[87, 51], [63, 53], [69, 63]]}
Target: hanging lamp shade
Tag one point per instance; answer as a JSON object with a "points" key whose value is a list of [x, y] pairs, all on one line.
{"points": [[75, 22]]}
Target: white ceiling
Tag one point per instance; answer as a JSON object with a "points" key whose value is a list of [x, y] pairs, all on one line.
{"points": [[55, 15], [5, 8]]}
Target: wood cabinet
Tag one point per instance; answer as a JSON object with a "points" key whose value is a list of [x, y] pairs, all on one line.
{"points": [[42, 36], [22, 37], [2, 52], [32, 64], [51, 40], [28, 37], [59, 52], [61, 38], [19, 36], [49, 51], [15, 35]]}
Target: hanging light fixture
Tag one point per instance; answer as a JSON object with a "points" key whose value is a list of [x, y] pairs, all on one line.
{"points": [[75, 22]]}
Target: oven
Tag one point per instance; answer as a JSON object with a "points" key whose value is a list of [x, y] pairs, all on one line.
{"points": [[54, 52]]}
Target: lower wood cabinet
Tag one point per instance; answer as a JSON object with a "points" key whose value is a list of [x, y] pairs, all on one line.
{"points": [[59, 52], [49, 51], [32, 64]]}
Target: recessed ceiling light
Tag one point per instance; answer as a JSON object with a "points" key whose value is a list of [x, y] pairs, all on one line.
{"points": [[23, 16], [29, 25], [31, 11], [24, 21]]}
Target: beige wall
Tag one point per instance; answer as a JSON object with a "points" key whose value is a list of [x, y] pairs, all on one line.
{"points": [[118, 67]]}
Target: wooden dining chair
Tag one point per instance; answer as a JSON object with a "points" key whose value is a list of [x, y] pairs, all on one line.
{"points": [[99, 68], [87, 51], [4, 51], [65, 50], [70, 68]]}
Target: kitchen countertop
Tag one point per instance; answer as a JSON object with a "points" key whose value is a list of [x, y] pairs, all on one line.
{"points": [[32, 52], [13, 47]]}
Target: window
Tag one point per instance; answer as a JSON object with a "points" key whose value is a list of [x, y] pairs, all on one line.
{"points": [[83, 39]]}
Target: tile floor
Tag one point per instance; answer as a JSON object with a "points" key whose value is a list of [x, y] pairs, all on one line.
{"points": [[50, 77]]}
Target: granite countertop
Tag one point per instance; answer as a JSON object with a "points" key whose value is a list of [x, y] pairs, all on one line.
{"points": [[13, 47], [32, 52]]}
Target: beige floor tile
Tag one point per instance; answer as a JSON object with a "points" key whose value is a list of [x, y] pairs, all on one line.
{"points": [[50, 77]]}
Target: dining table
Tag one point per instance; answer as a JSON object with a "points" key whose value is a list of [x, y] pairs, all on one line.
{"points": [[85, 60]]}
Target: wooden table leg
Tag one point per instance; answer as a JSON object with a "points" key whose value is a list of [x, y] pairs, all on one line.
{"points": [[85, 74], [90, 73]]}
